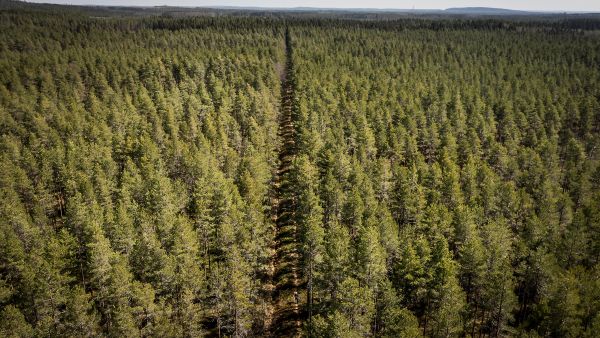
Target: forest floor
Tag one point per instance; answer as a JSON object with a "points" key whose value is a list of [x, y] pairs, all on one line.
{"points": [[285, 314]]}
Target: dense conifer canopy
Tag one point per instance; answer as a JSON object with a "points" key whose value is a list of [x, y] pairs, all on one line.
{"points": [[164, 177]]}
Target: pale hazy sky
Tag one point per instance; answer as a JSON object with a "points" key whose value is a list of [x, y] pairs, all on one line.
{"points": [[540, 5]]}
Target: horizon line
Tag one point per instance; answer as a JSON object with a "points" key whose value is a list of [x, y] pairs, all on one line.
{"points": [[392, 9]]}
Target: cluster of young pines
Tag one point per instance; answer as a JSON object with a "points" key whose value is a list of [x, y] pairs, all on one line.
{"points": [[443, 177]]}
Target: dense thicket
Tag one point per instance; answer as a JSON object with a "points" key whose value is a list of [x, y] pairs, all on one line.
{"points": [[445, 180]]}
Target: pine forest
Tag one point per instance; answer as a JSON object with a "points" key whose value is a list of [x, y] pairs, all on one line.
{"points": [[290, 175]]}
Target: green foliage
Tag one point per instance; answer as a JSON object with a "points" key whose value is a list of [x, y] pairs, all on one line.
{"points": [[132, 181], [484, 167], [443, 175], [14, 323]]}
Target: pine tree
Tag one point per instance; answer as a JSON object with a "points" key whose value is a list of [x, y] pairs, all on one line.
{"points": [[336, 260], [79, 318], [13, 323], [393, 320], [497, 295], [309, 217], [445, 298]]}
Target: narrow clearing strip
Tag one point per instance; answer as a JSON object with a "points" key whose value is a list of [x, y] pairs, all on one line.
{"points": [[285, 319]]}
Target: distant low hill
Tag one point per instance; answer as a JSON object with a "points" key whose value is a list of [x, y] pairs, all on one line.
{"points": [[486, 11]]}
